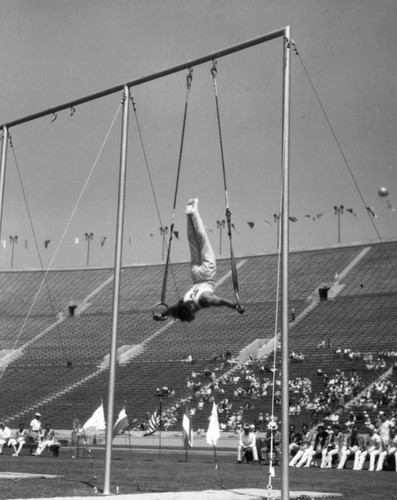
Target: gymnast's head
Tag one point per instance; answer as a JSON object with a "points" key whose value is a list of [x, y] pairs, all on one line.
{"points": [[184, 311]]}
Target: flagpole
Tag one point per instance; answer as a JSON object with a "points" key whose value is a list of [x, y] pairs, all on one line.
{"points": [[215, 457], [160, 431], [186, 430], [129, 440], [116, 290], [88, 450]]}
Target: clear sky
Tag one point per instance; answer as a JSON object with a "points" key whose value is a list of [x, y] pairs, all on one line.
{"points": [[57, 51]]}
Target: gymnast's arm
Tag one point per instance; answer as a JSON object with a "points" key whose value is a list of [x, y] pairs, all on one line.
{"points": [[211, 299]]}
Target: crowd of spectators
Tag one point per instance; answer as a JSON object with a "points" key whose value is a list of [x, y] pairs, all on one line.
{"points": [[373, 361], [332, 445], [238, 389], [35, 436]]}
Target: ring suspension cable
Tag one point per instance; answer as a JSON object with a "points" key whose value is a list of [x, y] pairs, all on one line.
{"points": [[228, 213], [63, 236], [151, 180], [162, 302]]}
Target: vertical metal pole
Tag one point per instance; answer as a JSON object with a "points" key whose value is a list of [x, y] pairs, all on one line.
{"points": [[278, 231], [220, 224], [161, 423], [88, 238], [116, 290], [12, 251], [285, 252], [3, 172]]}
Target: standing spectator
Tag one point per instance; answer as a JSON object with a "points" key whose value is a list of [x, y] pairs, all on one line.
{"points": [[48, 439], [21, 436], [35, 427], [5, 435], [247, 442]]}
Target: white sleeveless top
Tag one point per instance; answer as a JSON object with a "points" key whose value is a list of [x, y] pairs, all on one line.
{"points": [[196, 291]]}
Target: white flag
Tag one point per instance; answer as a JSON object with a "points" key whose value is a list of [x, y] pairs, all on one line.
{"points": [[121, 423], [213, 433], [187, 431], [97, 421]]}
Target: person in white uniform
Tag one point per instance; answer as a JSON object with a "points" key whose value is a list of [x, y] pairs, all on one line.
{"points": [[203, 271]]}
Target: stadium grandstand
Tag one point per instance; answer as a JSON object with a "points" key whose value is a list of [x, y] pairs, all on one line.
{"points": [[342, 342]]}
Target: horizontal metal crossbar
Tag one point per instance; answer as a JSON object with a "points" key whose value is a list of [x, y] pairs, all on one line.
{"points": [[154, 76]]}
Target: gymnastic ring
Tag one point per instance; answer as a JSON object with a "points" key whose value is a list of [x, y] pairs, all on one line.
{"points": [[157, 315]]}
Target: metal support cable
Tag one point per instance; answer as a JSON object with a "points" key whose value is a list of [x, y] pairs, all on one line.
{"points": [[228, 214], [151, 181], [62, 237], [189, 80]]}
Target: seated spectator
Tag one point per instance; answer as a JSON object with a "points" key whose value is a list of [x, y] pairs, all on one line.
{"points": [[294, 440], [371, 449], [306, 447], [5, 435], [383, 429], [21, 436], [334, 447], [389, 449], [315, 451], [352, 446], [320, 445], [247, 443], [47, 440], [271, 445]]}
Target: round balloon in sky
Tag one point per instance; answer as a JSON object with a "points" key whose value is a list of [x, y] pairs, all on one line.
{"points": [[383, 191]]}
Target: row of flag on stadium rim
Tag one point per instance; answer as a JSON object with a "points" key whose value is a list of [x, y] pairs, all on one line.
{"points": [[251, 224], [46, 243], [97, 423]]}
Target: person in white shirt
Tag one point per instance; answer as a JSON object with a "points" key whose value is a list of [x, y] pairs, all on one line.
{"points": [[384, 427], [247, 442], [48, 439], [306, 447], [35, 427], [20, 439], [372, 449], [389, 449], [5, 436]]}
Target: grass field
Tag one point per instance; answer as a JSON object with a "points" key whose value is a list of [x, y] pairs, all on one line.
{"points": [[136, 471]]}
